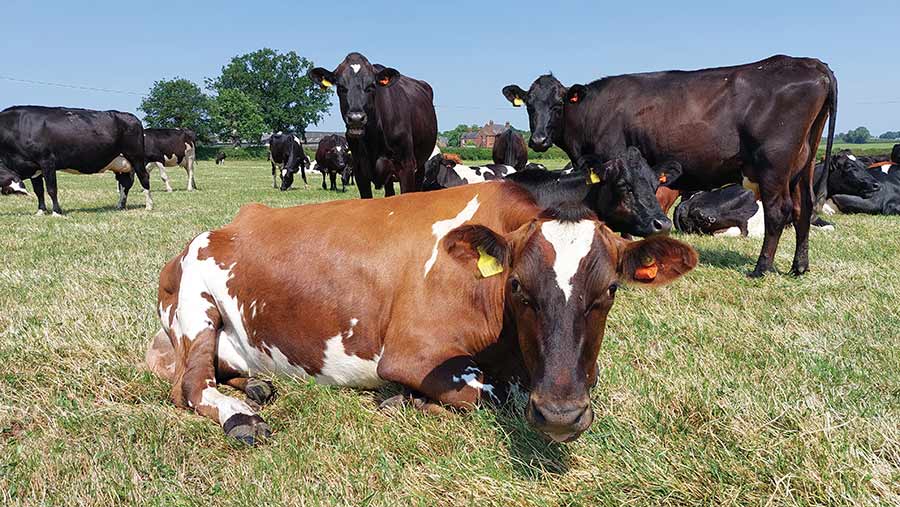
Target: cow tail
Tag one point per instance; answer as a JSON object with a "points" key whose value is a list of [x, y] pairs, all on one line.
{"points": [[509, 157], [831, 104]]}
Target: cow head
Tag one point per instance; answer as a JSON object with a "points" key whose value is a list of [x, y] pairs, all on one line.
{"points": [[296, 160], [564, 269], [339, 158], [438, 172], [625, 195], [544, 101], [356, 81], [10, 183], [848, 175]]}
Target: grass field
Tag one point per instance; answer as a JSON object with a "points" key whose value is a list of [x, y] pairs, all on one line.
{"points": [[716, 390]]}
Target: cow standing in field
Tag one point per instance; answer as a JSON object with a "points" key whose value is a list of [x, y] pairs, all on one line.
{"points": [[538, 285], [37, 141], [170, 148], [333, 158], [509, 149], [220, 158], [390, 119], [287, 158], [759, 123]]}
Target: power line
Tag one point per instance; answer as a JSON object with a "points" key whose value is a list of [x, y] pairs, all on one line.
{"points": [[76, 87]]}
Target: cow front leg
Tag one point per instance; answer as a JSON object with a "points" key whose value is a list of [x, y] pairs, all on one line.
{"points": [[454, 381], [164, 176], [333, 176], [49, 173], [192, 183], [258, 391], [408, 177], [37, 184], [125, 181], [274, 185], [776, 209], [303, 175], [144, 178]]}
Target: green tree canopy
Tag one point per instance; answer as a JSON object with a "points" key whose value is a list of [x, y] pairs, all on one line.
{"points": [[234, 116], [859, 135], [277, 84], [177, 103], [890, 134], [454, 134]]}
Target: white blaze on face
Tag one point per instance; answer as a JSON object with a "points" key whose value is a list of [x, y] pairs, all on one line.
{"points": [[440, 229], [756, 226], [355, 67], [571, 241], [283, 173], [343, 369]]}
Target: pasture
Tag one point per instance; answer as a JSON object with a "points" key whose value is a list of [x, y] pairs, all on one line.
{"points": [[716, 390]]}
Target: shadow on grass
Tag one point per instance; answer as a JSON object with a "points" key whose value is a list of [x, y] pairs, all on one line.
{"points": [[533, 456], [723, 258]]}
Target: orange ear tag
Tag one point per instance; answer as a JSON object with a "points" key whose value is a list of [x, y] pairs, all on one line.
{"points": [[573, 99], [647, 272], [663, 178], [384, 81]]}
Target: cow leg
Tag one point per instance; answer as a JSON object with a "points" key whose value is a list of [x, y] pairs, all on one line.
{"points": [[333, 176], [189, 167], [37, 184], [49, 173], [324, 181], [144, 179], [258, 391], [803, 204], [408, 176], [273, 175], [164, 176], [389, 189], [303, 175], [776, 200], [125, 181], [365, 188], [452, 380]]}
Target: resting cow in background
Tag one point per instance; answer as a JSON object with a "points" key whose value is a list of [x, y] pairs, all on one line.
{"points": [[36, 141], [442, 171], [10, 183], [390, 119], [510, 149], [731, 211], [846, 175], [230, 309], [760, 123], [170, 148], [333, 158], [287, 157], [220, 158]]}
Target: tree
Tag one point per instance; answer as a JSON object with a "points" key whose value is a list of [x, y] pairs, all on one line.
{"points": [[454, 134], [859, 135], [890, 135], [177, 103], [277, 84], [236, 117]]}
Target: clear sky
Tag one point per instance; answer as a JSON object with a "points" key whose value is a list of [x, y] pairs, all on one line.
{"points": [[467, 50]]}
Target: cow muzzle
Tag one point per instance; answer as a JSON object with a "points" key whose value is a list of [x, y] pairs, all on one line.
{"points": [[539, 142], [356, 123], [559, 420]]}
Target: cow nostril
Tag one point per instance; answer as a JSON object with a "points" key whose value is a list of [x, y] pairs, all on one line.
{"points": [[661, 225]]}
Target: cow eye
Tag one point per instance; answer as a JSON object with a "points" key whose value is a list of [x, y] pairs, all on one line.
{"points": [[612, 290], [517, 290]]}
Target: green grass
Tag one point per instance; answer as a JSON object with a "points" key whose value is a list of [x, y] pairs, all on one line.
{"points": [[716, 390]]}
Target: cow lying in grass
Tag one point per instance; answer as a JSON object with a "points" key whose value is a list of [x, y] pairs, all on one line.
{"points": [[453, 294]]}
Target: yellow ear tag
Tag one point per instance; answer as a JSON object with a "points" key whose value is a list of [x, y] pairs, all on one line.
{"points": [[594, 178], [488, 264], [326, 83], [518, 102]]}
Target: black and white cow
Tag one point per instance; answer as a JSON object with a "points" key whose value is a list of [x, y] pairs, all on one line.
{"points": [[220, 158], [10, 183], [36, 142], [169, 148], [287, 157], [333, 158], [443, 173], [848, 176], [730, 211], [884, 201]]}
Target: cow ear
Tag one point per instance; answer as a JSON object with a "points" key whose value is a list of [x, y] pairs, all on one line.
{"points": [[598, 171], [479, 247], [668, 172], [322, 77], [386, 76], [575, 93], [515, 95], [655, 261]]}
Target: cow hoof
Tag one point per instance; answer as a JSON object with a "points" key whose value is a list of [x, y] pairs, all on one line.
{"points": [[40, 213], [260, 391], [249, 429], [757, 274], [57, 215], [799, 271]]}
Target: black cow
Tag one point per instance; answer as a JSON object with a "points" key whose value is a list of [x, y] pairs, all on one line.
{"points": [[510, 149], [760, 123], [390, 119], [287, 157], [220, 158], [442, 172], [884, 201], [847, 175], [37, 141], [731, 211], [170, 148], [623, 193], [333, 158]]}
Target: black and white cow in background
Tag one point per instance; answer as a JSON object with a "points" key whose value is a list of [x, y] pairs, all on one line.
{"points": [[333, 158], [443, 173], [287, 157], [729, 211], [848, 176], [10, 183], [220, 158], [36, 142], [169, 148]]}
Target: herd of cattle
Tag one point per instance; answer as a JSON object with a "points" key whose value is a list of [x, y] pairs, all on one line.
{"points": [[505, 273]]}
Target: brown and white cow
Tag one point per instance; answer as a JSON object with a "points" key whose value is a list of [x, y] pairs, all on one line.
{"points": [[445, 293]]}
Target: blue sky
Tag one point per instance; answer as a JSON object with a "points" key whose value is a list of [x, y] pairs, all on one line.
{"points": [[467, 50]]}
